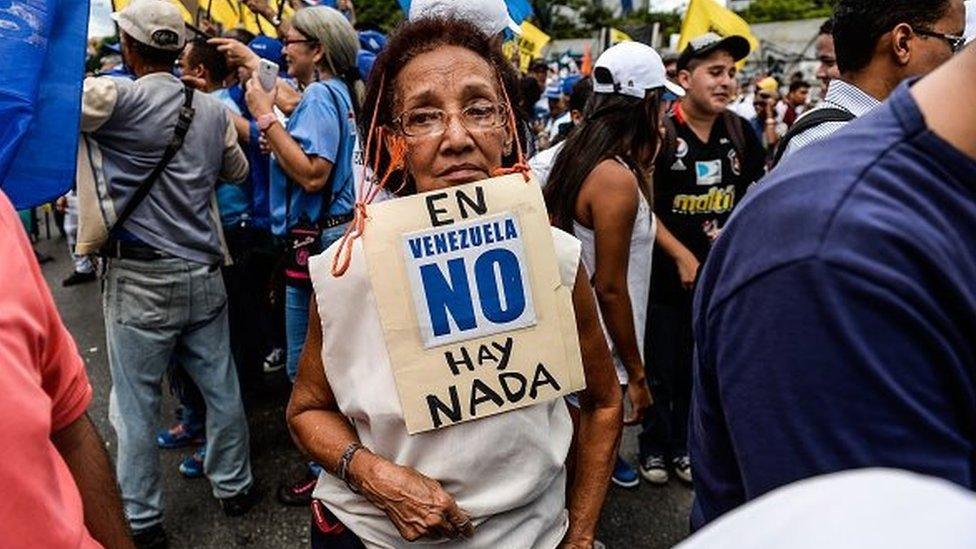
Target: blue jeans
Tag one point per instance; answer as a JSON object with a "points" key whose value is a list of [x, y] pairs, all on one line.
{"points": [[297, 299], [157, 312]]}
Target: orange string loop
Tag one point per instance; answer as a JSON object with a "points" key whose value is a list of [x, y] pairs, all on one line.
{"points": [[397, 149]]}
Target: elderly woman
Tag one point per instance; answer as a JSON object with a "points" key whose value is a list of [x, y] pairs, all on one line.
{"points": [[499, 481]]}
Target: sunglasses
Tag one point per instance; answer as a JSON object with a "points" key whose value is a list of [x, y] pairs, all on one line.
{"points": [[955, 42]]}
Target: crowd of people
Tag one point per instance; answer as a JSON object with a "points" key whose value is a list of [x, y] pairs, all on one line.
{"points": [[766, 300]]}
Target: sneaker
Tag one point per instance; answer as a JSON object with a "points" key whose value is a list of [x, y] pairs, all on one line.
{"points": [[78, 278], [240, 504], [682, 468], [624, 475], [275, 361], [180, 435], [298, 494], [192, 466], [153, 537], [653, 470]]}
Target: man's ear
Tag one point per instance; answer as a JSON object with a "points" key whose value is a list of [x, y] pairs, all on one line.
{"points": [[684, 78], [901, 43]]}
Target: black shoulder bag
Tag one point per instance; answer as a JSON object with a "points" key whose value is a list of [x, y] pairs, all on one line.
{"points": [[175, 143]]}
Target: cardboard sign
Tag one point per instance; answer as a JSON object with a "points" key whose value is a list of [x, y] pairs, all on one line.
{"points": [[476, 318]]}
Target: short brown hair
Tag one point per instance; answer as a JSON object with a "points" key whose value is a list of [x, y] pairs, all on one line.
{"points": [[409, 40]]}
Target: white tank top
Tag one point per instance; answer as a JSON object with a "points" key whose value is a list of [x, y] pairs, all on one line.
{"points": [[638, 273], [507, 470]]}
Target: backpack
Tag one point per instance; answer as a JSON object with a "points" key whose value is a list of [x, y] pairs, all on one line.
{"points": [[810, 120]]}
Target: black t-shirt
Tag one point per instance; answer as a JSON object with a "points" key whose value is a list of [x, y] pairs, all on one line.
{"points": [[695, 195]]}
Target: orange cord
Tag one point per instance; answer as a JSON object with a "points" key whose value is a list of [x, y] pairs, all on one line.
{"points": [[398, 151]]}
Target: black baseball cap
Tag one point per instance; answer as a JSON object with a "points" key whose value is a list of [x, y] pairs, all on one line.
{"points": [[707, 43]]}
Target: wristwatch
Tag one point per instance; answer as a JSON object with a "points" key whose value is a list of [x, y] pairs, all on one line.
{"points": [[266, 120]]}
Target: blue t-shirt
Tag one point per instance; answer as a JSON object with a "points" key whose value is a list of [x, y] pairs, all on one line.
{"points": [[327, 130], [835, 319], [233, 199]]}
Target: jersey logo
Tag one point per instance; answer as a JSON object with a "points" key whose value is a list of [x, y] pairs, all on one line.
{"points": [[723, 141], [708, 172], [681, 150], [716, 201], [734, 163], [678, 166]]}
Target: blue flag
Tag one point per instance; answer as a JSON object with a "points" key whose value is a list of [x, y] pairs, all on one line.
{"points": [[42, 43]]}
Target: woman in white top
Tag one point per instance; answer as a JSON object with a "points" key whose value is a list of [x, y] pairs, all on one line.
{"points": [[599, 189], [499, 481]]}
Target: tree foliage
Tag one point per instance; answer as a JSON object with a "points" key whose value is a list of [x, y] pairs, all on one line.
{"points": [[764, 11], [384, 14]]}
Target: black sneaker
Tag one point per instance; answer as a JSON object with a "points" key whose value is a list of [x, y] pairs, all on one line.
{"points": [[298, 494], [78, 278], [653, 469], [682, 468], [153, 537], [240, 504]]}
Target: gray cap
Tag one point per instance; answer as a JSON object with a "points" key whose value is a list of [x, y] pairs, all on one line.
{"points": [[155, 23]]}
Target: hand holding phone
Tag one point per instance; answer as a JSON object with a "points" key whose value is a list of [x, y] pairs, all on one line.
{"points": [[267, 74]]}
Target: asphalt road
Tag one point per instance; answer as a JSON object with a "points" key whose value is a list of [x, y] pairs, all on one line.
{"points": [[646, 517]]}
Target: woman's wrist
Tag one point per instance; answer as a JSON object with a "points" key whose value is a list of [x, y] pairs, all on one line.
{"points": [[360, 467]]}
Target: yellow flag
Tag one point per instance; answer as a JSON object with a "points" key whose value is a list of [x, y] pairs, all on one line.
{"points": [[228, 13], [617, 36], [530, 44], [707, 16]]}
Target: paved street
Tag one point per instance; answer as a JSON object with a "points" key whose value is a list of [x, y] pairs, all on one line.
{"points": [[646, 517]]}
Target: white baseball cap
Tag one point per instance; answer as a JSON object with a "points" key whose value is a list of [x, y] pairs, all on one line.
{"points": [[155, 23], [490, 16], [970, 32], [631, 68]]}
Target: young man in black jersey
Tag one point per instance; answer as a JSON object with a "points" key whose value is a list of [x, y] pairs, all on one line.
{"points": [[709, 159]]}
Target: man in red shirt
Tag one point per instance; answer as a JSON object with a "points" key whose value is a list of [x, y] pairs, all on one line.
{"points": [[58, 484]]}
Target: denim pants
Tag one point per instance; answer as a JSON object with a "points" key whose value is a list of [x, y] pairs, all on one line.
{"points": [[297, 299], [157, 312]]}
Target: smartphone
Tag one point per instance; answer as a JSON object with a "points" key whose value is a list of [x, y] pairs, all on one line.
{"points": [[267, 74]]}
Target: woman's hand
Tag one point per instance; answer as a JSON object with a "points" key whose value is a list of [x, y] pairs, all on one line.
{"points": [[261, 7], [688, 270], [237, 53], [417, 505], [640, 399], [259, 102]]}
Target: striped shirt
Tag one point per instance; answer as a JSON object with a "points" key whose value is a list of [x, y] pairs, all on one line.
{"points": [[840, 95]]}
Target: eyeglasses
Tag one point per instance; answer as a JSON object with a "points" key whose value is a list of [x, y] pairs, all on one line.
{"points": [[955, 42], [425, 122], [286, 41]]}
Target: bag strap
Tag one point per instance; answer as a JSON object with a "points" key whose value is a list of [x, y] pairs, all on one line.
{"points": [[733, 124], [813, 119], [175, 143]]}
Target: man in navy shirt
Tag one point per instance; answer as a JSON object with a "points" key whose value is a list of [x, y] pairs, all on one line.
{"points": [[835, 321]]}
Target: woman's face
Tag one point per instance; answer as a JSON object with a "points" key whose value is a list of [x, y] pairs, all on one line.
{"points": [[301, 55], [450, 79]]}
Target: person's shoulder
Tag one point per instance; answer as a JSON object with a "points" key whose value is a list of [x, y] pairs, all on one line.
{"points": [[322, 94], [614, 177], [823, 201]]}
